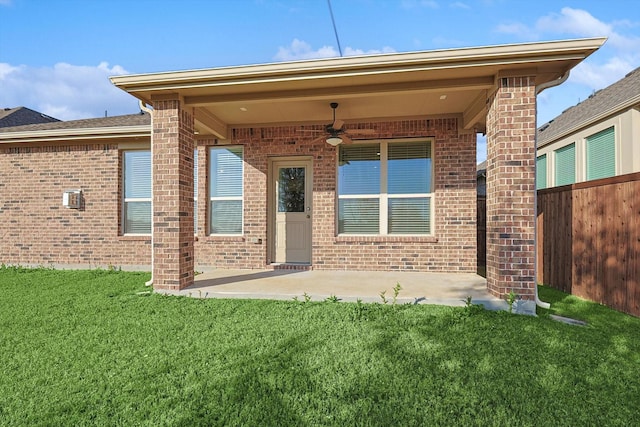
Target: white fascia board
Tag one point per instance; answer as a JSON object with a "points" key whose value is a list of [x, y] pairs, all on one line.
{"points": [[361, 65], [75, 134]]}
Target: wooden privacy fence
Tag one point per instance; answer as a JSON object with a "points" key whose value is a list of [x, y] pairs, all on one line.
{"points": [[482, 231], [588, 237]]}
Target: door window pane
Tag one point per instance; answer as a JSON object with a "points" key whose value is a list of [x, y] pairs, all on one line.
{"points": [[291, 185]]}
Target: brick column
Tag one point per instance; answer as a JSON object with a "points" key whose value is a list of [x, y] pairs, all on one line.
{"points": [[511, 210], [172, 155]]}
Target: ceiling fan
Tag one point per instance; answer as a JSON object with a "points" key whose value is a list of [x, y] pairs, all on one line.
{"points": [[335, 134]]}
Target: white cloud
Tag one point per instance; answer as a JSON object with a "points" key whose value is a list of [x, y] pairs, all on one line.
{"points": [[573, 21], [598, 76], [301, 50], [65, 91], [6, 69], [5, 2], [349, 51], [617, 57]]}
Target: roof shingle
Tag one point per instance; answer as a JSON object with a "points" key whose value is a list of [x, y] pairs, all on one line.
{"points": [[606, 101], [19, 116], [102, 122]]}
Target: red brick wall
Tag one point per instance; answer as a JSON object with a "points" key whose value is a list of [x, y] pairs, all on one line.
{"points": [[511, 209], [452, 248], [36, 229], [34, 226]]}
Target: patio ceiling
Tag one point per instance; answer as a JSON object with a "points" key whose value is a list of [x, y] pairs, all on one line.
{"points": [[368, 88]]}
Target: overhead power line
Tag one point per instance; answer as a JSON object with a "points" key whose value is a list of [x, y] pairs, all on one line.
{"points": [[335, 30]]}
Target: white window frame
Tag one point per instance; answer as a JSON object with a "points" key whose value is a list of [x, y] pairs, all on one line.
{"points": [[225, 198], [126, 200], [383, 196]]}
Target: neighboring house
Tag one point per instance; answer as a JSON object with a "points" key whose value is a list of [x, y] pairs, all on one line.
{"points": [[598, 138], [481, 176], [19, 116], [247, 167]]}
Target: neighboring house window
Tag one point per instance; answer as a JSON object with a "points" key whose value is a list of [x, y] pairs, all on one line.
{"points": [[566, 165], [137, 192], [541, 172], [601, 155], [385, 188], [226, 190]]}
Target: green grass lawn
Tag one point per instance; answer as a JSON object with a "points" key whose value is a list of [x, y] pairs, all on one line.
{"points": [[86, 348]]}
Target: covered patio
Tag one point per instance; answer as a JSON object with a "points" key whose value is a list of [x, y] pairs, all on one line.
{"points": [[450, 289], [444, 97]]}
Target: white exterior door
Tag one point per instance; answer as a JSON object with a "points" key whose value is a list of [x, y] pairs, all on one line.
{"points": [[293, 195]]}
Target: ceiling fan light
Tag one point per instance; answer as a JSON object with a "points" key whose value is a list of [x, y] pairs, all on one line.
{"points": [[334, 140]]}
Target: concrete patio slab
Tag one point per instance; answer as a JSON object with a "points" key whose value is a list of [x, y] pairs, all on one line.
{"points": [[419, 288]]}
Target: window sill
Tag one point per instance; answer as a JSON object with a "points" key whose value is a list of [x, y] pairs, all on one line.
{"points": [[385, 239], [135, 238]]}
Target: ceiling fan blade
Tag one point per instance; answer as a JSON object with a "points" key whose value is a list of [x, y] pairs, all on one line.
{"points": [[318, 139], [337, 124], [346, 139]]}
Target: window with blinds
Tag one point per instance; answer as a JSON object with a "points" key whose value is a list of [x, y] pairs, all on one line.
{"points": [[385, 188], [137, 192], [601, 154], [541, 172], [359, 189], [226, 190], [565, 169]]}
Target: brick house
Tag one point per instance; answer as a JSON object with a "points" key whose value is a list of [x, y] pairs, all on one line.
{"points": [[247, 167]]}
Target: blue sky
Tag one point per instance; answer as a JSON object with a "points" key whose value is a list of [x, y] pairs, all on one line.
{"points": [[56, 55]]}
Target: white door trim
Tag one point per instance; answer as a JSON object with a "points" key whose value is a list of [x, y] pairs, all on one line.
{"points": [[303, 219]]}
